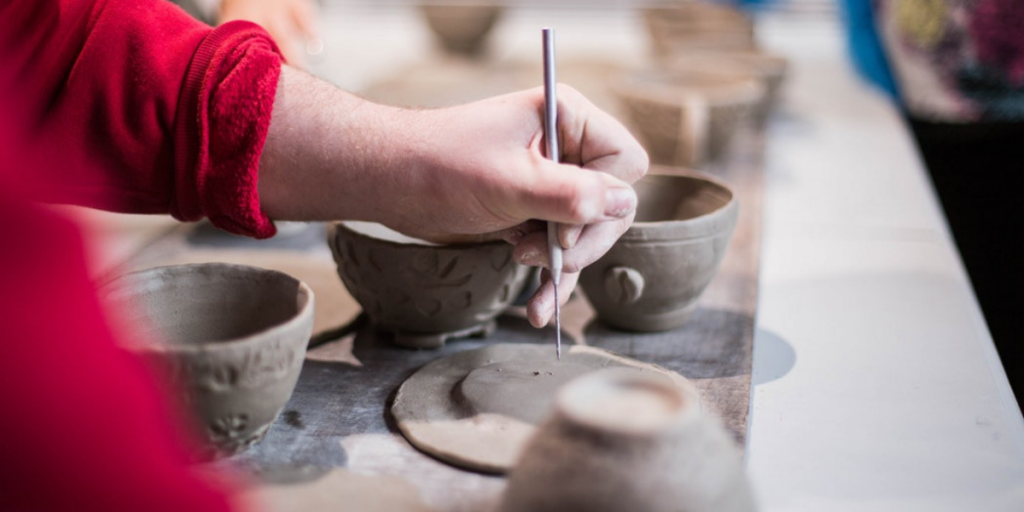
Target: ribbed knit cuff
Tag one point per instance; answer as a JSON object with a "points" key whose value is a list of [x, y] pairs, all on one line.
{"points": [[223, 117]]}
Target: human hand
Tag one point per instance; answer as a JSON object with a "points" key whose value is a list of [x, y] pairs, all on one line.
{"points": [[289, 22], [461, 173], [497, 180]]}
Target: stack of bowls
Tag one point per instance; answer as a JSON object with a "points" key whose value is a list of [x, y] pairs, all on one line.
{"points": [[687, 118], [694, 25]]}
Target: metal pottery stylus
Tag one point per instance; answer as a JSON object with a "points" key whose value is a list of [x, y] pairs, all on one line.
{"points": [[551, 134]]}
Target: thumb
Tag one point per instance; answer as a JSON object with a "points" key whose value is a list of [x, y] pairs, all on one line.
{"points": [[572, 195]]}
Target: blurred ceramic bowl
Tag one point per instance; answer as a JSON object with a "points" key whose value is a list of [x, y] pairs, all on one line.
{"points": [[624, 441], [461, 28], [651, 278], [687, 118], [425, 293], [686, 26], [230, 340], [768, 68]]}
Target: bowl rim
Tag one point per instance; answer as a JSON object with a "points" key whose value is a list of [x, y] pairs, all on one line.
{"points": [[757, 62], [655, 84], [717, 222], [339, 226], [570, 408], [305, 313]]}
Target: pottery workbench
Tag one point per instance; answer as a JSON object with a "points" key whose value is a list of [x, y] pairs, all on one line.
{"points": [[875, 385]]}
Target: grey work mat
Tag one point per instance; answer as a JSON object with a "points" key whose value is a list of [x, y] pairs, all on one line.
{"points": [[338, 415]]}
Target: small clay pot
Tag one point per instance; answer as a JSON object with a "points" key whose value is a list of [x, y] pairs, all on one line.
{"points": [[687, 118], [461, 28], [425, 293], [687, 26], [229, 339], [620, 442], [768, 68], [651, 278]]}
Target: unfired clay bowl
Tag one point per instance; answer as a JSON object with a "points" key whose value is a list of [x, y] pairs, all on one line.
{"points": [[768, 68], [687, 118], [621, 442], [461, 28], [651, 278], [229, 338], [686, 26], [425, 293]]}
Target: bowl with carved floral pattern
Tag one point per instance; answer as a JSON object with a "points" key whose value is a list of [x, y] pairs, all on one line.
{"points": [[228, 340], [425, 294]]}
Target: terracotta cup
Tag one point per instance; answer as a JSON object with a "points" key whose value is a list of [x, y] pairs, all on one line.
{"points": [[461, 28], [425, 293], [685, 117], [651, 278], [626, 441], [230, 340]]}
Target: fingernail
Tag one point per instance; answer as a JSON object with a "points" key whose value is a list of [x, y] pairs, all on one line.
{"points": [[572, 235], [619, 202], [531, 257]]}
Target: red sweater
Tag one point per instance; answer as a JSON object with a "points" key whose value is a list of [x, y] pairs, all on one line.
{"points": [[156, 112], [126, 105]]}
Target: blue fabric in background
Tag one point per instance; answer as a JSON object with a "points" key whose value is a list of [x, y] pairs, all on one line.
{"points": [[862, 39], [865, 46]]}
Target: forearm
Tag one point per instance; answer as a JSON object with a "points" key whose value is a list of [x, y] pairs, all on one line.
{"points": [[332, 155], [442, 174]]}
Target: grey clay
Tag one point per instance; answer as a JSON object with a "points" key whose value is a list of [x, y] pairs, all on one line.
{"points": [[624, 441], [651, 278], [475, 409], [687, 118], [229, 339], [425, 293]]}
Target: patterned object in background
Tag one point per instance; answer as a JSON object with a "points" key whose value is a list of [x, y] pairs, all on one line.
{"points": [[956, 60]]}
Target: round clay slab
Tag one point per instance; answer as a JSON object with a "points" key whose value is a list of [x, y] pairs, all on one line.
{"points": [[476, 409]]}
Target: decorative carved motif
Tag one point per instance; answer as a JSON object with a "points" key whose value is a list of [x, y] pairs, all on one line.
{"points": [[426, 289]]}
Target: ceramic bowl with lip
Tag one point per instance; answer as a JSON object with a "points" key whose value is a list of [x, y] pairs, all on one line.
{"points": [[461, 28], [229, 340], [684, 117], [425, 293], [624, 441], [651, 278], [768, 68], [681, 27]]}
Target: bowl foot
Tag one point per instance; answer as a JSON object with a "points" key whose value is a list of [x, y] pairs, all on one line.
{"points": [[420, 340]]}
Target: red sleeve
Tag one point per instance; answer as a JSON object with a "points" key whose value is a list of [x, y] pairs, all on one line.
{"points": [[157, 112], [82, 425]]}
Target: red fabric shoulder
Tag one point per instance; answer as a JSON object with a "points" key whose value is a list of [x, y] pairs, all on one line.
{"points": [[83, 426], [154, 111]]}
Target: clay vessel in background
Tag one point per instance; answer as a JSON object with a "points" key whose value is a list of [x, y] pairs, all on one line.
{"points": [[684, 26], [461, 28], [768, 68], [686, 118], [229, 339], [425, 293], [651, 278], [621, 442]]}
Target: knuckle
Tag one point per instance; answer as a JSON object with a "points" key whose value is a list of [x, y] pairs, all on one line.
{"points": [[572, 266], [575, 202]]}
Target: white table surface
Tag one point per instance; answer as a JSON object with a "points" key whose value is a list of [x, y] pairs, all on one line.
{"points": [[876, 384]]}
